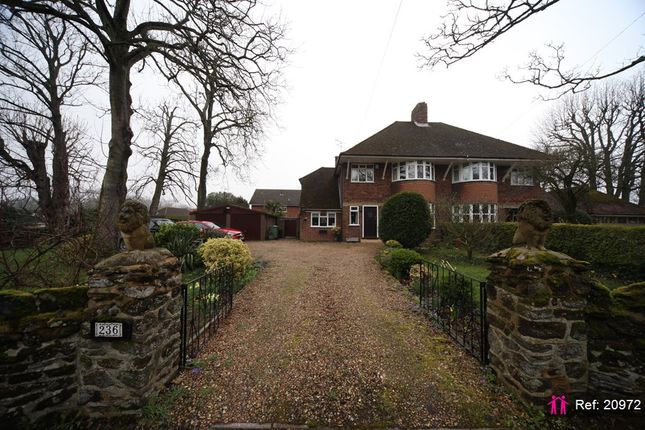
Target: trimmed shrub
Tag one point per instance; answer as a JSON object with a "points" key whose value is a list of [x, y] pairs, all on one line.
{"points": [[398, 261], [609, 248], [405, 218], [218, 253], [393, 244], [578, 217]]}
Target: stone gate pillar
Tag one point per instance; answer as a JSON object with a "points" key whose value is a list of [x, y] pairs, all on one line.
{"points": [[141, 290], [537, 331]]}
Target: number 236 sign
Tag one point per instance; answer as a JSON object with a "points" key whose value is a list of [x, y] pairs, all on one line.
{"points": [[111, 330]]}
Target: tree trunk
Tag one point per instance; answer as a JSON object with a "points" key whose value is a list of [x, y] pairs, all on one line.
{"points": [[161, 178], [60, 173], [641, 190], [203, 171], [113, 188]]}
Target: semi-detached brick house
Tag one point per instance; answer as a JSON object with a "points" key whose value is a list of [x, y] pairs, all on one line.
{"points": [[471, 176]]}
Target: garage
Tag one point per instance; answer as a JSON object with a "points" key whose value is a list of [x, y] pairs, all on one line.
{"points": [[254, 224]]}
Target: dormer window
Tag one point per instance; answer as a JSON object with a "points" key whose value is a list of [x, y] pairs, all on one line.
{"points": [[417, 169], [521, 176], [362, 173], [477, 171]]}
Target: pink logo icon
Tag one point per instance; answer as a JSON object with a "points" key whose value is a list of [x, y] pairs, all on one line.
{"points": [[554, 405]]}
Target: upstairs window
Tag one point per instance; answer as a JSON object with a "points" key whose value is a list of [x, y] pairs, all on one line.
{"points": [[362, 173], [475, 212], [418, 169], [479, 171], [323, 219], [521, 176]]}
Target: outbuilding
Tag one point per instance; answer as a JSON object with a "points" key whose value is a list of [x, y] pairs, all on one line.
{"points": [[254, 224]]}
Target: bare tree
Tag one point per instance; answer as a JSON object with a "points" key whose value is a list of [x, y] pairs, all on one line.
{"points": [[596, 140], [42, 66], [232, 95], [471, 25], [170, 153], [165, 27]]}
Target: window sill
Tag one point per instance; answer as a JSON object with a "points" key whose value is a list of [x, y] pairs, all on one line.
{"points": [[406, 180], [522, 185], [362, 182], [353, 225], [317, 226], [475, 180]]}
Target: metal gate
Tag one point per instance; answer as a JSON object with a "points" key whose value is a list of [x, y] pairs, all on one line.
{"points": [[207, 300], [457, 304]]}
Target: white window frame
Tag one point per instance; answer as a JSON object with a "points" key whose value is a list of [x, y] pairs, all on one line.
{"points": [[521, 176], [319, 215], [475, 212], [485, 171], [357, 168], [354, 210], [401, 169], [363, 217], [432, 215]]}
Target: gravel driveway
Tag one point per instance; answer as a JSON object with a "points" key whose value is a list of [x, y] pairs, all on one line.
{"points": [[323, 337]]}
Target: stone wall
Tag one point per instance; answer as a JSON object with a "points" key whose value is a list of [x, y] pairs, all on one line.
{"points": [[52, 370], [616, 326], [143, 288], [38, 363], [537, 332], [554, 330]]}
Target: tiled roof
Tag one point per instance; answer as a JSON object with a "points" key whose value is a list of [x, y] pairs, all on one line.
{"points": [[284, 197], [436, 139], [319, 190]]}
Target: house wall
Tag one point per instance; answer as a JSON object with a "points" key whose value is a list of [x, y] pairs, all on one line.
{"points": [[292, 211], [309, 233], [439, 191]]}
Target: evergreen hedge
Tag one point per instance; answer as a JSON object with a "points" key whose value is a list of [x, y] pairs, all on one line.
{"points": [[609, 248], [406, 218]]}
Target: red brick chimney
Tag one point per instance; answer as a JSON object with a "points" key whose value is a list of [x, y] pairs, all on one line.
{"points": [[420, 113]]}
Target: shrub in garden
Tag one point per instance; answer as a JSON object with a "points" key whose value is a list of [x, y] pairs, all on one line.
{"points": [[398, 261], [393, 244], [405, 218], [218, 253], [182, 240]]}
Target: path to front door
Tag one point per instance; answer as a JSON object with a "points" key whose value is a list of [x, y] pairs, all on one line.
{"points": [[324, 338]]}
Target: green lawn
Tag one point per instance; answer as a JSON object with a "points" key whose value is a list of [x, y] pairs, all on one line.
{"points": [[478, 267]]}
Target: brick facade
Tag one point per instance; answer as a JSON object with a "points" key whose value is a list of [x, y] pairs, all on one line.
{"points": [[440, 191], [309, 233]]}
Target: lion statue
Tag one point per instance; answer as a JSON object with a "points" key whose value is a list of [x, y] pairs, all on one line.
{"points": [[534, 221], [133, 224]]}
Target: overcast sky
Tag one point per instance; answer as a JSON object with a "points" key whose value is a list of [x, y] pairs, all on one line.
{"points": [[354, 72]]}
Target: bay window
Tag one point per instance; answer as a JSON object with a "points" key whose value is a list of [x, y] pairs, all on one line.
{"points": [[323, 219], [417, 169], [474, 212], [477, 171]]}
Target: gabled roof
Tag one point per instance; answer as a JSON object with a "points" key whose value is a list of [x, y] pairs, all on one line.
{"points": [[436, 139], [320, 190], [600, 204], [173, 212], [284, 197]]}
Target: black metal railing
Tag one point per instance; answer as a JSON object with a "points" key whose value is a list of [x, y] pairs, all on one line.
{"points": [[457, 304], [207, 300]]}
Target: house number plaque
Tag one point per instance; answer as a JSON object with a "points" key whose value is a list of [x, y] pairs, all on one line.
{"points": [[111, 330]]}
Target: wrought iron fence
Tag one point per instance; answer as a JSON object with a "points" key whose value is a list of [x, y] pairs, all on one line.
{"points": [[457, 304], [207, 300]]}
